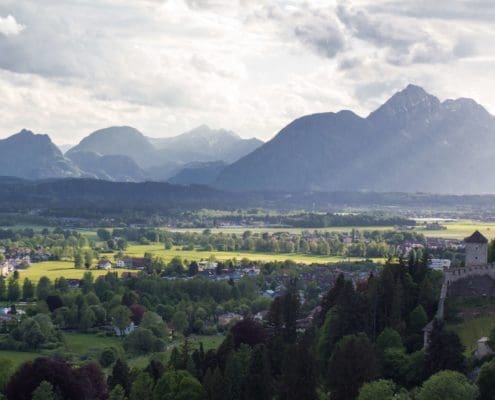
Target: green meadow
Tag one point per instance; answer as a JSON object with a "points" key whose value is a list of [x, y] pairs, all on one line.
{"points": [[56, 269]]}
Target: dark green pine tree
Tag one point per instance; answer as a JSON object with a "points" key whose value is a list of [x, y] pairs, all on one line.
{"points": [[175, 359], [444, 351], [120, 376], [330, 299], [259, 383], [213, 383], [299, 377], [3, 289], [353, 363]]}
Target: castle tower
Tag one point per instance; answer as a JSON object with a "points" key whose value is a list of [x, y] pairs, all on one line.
{"points": [[476, 250]]}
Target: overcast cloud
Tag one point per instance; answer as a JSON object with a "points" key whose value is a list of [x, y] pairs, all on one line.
{"points": [[68, 67]]}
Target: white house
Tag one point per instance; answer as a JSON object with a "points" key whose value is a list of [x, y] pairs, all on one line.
{"points": [[207, 265], [104, 264]]}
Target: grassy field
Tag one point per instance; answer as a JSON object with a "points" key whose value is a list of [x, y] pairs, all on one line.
{"points": [[17, 357], [81, 344], [56, 269], [461, 229], [197, 255], [470, 330], [458, 229]]}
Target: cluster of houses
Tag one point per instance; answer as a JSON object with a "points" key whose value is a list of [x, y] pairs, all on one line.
{"points": [[210, 270], [19, 258], [139, 263]]}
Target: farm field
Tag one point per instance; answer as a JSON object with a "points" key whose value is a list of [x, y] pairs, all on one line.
{"points": [[197, 255], [458, 229], [56, 269], [461, 229]]}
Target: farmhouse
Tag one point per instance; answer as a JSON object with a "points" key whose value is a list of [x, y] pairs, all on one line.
{"points": [[134, 263], [104, 264]]}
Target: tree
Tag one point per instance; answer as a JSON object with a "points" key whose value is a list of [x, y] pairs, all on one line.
{"points": [[88, 259], [120, 376], [450, 385], [72, 383], [87, 282], [259, 383], [14, 290], [27, 289], [193, 268], [417, 319], [142, 387], [444, 351], [486, 381], [107, 356], [32, 335], [120, 317], [87, 319], [179, 321], [142, 341], [44, 392], [214, 385], [117, 393], [299, 375], [352, 363], [137, 313], [178, 385], [3, 288], [381, 390], [388, 339], [78, 259], [43, 288], [103, 234], [249, 332], [155, 323]]}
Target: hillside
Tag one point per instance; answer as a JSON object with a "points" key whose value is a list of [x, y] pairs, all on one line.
{"points": [[119, 140], [411, 143], [30, 156]]}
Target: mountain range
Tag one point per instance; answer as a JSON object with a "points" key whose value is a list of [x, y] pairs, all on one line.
{"points": [[121, 153], [412, 143]]}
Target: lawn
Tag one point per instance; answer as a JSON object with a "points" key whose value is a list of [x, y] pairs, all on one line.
{"points": [[81, 343], [197, 255], [472, 329], [56, 269], [17, 357]]}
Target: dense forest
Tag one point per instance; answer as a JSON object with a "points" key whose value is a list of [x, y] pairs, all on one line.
{"points": [[364, 341], [87, 198]]}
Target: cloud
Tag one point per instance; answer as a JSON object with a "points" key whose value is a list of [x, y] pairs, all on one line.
{"points": [[165, 66], [9, 26]]}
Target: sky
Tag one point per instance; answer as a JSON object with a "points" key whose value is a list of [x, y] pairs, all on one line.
{"points": [[69, 67]]}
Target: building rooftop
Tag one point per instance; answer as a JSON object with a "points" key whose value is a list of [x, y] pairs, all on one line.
{"points": [[476, 237]]}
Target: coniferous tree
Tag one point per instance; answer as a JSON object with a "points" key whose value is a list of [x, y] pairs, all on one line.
{"points": [[444, 351], [259, 383], [117, 393], [299, 377], [27, 289], [142, 387], [120, 376], [353, 363], [13, 290], [3, 289]]}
